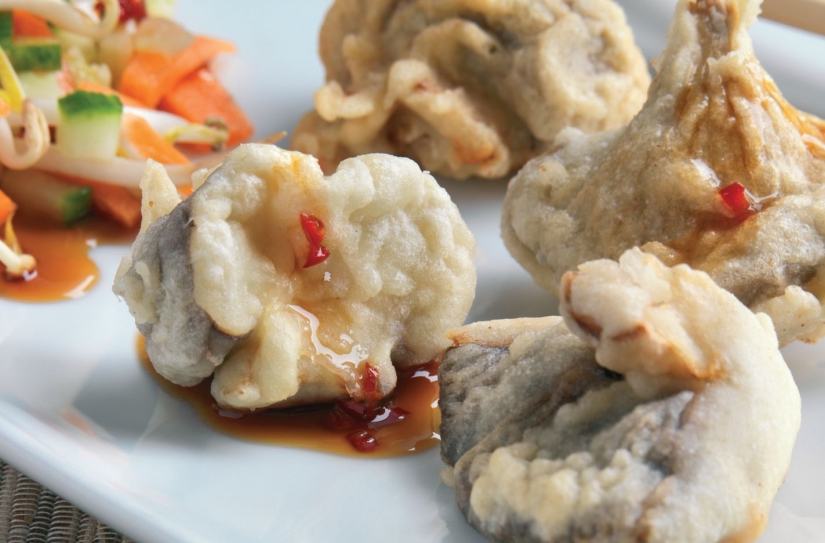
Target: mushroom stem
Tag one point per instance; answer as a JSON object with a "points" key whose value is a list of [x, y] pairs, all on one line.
{"points": [[68, 17], [17, 263]]}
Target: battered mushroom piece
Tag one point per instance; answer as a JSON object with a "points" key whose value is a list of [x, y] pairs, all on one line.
{"points": [[670, 418], [717, 171], [469, 87], [293, 287], [510, 375]]}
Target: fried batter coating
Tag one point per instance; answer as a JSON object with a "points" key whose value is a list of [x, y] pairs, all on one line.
{"points": [[714, 124], [668, 417], [469, 87], [234, 280]]}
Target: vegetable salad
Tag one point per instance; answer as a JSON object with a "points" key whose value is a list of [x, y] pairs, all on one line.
{"points": [[88, 91]]}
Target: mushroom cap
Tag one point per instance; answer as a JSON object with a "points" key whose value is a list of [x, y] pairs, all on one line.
{"points": [[713, 119], [225, 282], [469, 87], [664, 414]]}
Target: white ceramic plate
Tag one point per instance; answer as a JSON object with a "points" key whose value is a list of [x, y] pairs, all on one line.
{"points": [[80, 416]]}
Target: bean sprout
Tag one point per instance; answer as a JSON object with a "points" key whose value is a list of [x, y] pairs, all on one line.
{"points": [[17, 263], [15, 154], [21, 155]]}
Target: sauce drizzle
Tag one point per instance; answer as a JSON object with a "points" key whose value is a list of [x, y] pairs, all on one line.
{"points": [[321, 428], [64, 269]]}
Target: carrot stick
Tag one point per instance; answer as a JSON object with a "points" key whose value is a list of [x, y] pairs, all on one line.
{"points": [[103, 89], [117, 203], [28, 25], [143, 74], [113, 201], [7, 207], [200, 95], [149, 75], [148, 143]]}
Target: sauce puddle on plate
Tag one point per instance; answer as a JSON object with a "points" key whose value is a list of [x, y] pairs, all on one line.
{"points": [[330, 428], [64, 269]]}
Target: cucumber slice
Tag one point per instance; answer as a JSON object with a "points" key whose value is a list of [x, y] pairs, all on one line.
{"points": [[88, 125], [41, 85], [27, 54], [35, 54], [46, 196]]}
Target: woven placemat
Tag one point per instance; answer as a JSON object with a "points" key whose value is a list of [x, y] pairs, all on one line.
{"points": [[31, 514]]}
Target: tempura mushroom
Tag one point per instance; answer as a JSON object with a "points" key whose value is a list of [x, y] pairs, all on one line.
{"points": [[659, 411], [292, 287], [469, 87], [717, 171]]}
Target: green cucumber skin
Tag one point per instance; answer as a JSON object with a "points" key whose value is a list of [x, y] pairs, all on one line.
{"points": [[46, 196], [6, 29], [88, 125], [77, 204], [29, 54], [35, 54], [89, 105]]}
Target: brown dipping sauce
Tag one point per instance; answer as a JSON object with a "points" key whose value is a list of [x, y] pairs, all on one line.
{"points": [[328, 428], [64, 269]]}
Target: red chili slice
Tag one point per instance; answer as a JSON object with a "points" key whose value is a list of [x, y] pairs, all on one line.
{"points": [[358, 410], [129, 9], [736, 199], [370, 379], [316, 256], [387, 416], [341, 420], [132, 9], [363, 441], [313, 228], [315, 233]]}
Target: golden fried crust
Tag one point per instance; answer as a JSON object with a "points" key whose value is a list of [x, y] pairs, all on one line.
{"points": [[469, 87], [230, 280], [713, 119], [674, 424]]}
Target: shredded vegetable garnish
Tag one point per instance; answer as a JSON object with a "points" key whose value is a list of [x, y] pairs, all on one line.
{"points": [[214, 133], [131, 63], [91, 89], [68, 17], [117, 171]]}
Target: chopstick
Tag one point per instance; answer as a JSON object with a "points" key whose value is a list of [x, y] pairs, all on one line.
{"points": [[804, 14]]}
